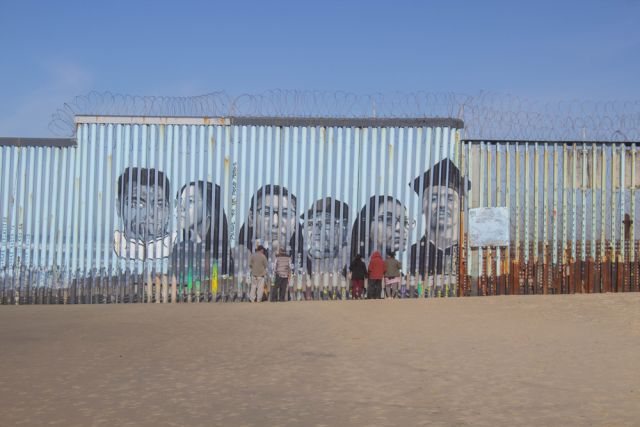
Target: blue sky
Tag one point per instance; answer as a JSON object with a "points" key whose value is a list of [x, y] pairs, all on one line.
{"points": [[543, 50]]}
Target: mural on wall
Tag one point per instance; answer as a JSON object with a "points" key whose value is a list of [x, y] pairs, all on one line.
{"points": [[326, 231], [136, 209], [272, 222], [382, 225], [153, 210], [200, 218], [144, 207], [440, 189]]}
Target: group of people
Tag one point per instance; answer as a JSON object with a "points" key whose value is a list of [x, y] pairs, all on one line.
{"points": [[282, 269], [382, 275]]}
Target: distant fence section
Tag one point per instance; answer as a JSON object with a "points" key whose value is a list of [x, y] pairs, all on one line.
{"points": [[169, 209], [568, 209]]}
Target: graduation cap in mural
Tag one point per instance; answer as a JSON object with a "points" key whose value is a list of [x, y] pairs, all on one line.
{"points": [[444, 173]]}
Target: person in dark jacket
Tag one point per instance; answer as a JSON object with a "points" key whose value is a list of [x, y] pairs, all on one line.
{"points": [[376, 271], [358, 271]]}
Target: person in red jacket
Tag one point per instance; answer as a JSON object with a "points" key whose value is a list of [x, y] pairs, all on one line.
{"points": [[376, 270]]}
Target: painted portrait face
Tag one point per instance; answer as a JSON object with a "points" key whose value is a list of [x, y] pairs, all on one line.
{"points": [[191, 215], [325, 235], [391, 225], [444, 207], [146, 212], [276, 221]]}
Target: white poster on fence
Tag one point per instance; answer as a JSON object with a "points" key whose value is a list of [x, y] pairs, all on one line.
{"points": [[489, 227]]}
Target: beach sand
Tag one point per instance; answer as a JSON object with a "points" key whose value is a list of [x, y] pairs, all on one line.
{"points": [[495, 361]]}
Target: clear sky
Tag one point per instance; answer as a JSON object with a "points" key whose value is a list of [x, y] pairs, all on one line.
{"points": [[51, 51]]}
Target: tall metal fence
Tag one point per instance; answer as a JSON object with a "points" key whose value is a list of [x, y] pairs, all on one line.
{"points": [[571, 208], [169, 209]]}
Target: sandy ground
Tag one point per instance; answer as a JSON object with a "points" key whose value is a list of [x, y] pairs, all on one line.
{"points": [[498, 361]]}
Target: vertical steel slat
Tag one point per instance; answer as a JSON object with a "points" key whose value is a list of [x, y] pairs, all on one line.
{"points": [[175, 148], [53, 263], [574, 213], [118, 261], [164, 149], [209, 276], [456, 235], [556, 184], [621, 196], [14, 162], [34, 271], [400, 189], [32, 276], [109, 194], [508, 193], [603, 186], [499, 190], [419, 163], [320, 190], [536, 214], [304, 177], [594, 197], [289, 168], [131, 158], [632, 208], [404, 192], [565, 172], [517, 178], [352, 163], [89, 211], [100, 213], [331, 191], [468, 203], [217, 144], [83, 242], [182, 141], [449, 287], [227, 185], [307, 196], [545, 217], [433, 158], [527, 198], [431, 154], [583, 206], [5, 153], [20, 196], [144, 269], [76, 222], [67, 163], [159, 200], [341, 186], [364, 179], [437, 277]]}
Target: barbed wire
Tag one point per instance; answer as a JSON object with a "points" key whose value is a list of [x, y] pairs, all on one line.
{"points": [[486, 115]]}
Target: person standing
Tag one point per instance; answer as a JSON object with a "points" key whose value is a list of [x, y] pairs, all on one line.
{"points": [[258, 267], [392, 275], [282, 273], [376, 272], [358, 271]]}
